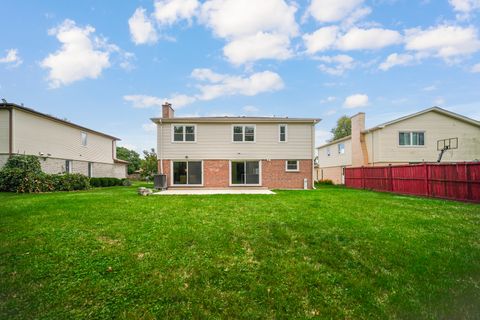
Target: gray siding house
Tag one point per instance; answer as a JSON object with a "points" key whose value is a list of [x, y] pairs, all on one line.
{"points": [[62, 146]]}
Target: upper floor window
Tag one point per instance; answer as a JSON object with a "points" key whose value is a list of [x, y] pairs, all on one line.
{"points": [[328, 152], [84, 138], [282, 132], [244, 133], [184, 133], [411, 138], [341, 148]]}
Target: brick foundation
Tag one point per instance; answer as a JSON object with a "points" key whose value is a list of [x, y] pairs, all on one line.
{"points": [[216, 174]]}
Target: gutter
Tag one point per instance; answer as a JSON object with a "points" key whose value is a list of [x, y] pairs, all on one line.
{"points": [[10, 132], [313, 156]]}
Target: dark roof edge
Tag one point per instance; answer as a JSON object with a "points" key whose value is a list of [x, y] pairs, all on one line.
{"points": [[71, 124]]}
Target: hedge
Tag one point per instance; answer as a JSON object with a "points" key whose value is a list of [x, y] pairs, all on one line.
{"points": [[109, 182], [23, 174]]}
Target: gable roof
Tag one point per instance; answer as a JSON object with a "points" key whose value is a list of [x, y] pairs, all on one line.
{"points": [[49, 117], [235, 120], [432, 109], [416, 114]]}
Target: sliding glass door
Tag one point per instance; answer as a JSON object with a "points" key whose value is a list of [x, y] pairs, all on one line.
{"points": [[187, 172], [245, 173]]}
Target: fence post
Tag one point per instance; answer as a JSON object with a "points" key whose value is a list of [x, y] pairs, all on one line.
{"points": [[363, 178], [425, 179], [390, 177]]}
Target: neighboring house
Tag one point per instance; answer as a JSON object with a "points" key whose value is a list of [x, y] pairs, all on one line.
{"points": [[410, 139], [62, 146], [223, 152]]}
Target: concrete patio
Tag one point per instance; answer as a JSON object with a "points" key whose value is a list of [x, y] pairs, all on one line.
{"points": [[171, 192]]}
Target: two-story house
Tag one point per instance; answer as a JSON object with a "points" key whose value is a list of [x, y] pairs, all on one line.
{"points": [[62, 146], [224, 152], [415, 138]]}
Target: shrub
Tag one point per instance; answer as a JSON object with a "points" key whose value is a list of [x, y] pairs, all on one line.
{"points": [[23, 174], [126, 183], [107, 182], [326, 182], [24, 162]]}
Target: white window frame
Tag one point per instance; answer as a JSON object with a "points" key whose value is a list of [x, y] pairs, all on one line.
{"points": [[280, 133], [83, 134], [230, 184], [411, 132], [186, 184], [184, 125], [343, 149], [243, 133], [292, 170]]}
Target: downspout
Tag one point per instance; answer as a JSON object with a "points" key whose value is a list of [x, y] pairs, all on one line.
{"points": [[313, 155], [160, 151], [10, 131]]}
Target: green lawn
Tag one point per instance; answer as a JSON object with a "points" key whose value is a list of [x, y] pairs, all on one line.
{"points": [[330, 253]]}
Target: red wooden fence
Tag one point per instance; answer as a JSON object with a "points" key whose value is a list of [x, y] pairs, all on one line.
{"points": [[459, 181]]}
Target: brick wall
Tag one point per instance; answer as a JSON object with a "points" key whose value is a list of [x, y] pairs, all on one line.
{"points": [[274, 175], [3, 160], [216, 174]]}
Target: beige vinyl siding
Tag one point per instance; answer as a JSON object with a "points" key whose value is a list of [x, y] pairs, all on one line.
{"points": [[214, 141], [436, 126], [34, 134], [4, 122], [335, 158]]}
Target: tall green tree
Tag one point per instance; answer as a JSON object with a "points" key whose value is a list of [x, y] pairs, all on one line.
{"points": [[149, 163], [342, 129], [131, 156]]}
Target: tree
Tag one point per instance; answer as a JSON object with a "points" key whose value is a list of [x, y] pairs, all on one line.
{"points": [[131, 156], [343, 128], [149, 163]]}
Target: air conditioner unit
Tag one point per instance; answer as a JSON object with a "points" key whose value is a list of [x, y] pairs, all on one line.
{"points": [[160, 181]]}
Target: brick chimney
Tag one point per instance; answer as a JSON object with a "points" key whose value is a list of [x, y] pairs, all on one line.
{"points": [[167, 110], [359, 148]]}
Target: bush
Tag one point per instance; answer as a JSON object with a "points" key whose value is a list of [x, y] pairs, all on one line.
{"points": [[326, 182], [108, 182], [24, 162], [22, 174], [126, 183]]}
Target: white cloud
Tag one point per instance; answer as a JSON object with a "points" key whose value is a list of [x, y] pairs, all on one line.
{"points": [[322, 39], [259, 46], [336, 65], [233, 18], [214, 85], [253, 30], [149, 127], [476, 68], [81, 55], [167, 12], [464, 7], [439, 101], [446, 41], [356, 101], [332, 10], [250, 109], [374, 38], [328, 100], [141, 27], [430, 88], [322, 136], [11, 58], [226, 85], [396, 59], [143, 101]]}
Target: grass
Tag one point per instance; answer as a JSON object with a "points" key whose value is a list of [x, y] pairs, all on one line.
{"points": [[328, 253]]}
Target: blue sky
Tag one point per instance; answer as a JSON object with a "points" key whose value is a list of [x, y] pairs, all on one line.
{"points": [[109, 67]]}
